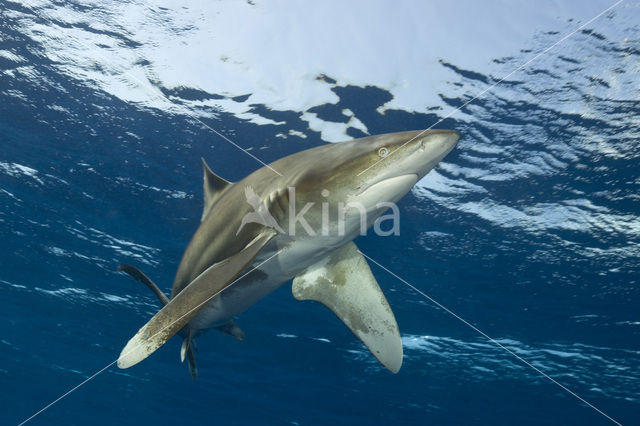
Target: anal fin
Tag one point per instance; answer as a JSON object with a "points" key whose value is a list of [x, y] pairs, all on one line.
{"points": [[232, 330]]}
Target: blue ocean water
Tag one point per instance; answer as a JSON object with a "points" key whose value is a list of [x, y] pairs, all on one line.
{"points": [[530, 230]]}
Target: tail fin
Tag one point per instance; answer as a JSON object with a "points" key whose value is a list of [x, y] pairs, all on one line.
{"points": [[187, 346], [138, 275]]}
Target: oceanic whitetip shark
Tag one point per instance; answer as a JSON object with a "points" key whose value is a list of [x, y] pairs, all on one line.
{"points": [[299, 223]]}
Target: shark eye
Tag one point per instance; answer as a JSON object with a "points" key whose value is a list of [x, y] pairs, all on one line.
{"points": [[383, 152]]}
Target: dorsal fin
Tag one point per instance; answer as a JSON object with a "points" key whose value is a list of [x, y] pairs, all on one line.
{"points": [[213, 187]]}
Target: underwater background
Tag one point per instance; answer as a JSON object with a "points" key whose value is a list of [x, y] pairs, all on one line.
{"points": [[529, 229]]}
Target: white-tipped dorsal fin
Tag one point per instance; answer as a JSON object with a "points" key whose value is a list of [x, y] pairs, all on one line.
{"points": [[213, 187], [344, 283]]}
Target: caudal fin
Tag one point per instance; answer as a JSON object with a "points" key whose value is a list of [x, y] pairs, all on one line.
{"points": [[191, 362], [138, 275]]}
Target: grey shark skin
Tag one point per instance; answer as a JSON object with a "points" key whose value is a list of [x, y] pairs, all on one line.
{"points": [[221, 274]]}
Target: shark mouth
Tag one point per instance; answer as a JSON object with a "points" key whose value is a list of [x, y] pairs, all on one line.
{"points": [[390, 189]]}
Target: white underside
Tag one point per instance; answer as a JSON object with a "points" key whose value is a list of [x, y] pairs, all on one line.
{"points": [[270, 273]]}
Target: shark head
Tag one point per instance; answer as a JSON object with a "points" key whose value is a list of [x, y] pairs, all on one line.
{"points": [[391, 164], [367, 174]]}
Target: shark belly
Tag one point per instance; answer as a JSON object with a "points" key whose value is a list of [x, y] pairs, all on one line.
{"points": [[266, 274]]}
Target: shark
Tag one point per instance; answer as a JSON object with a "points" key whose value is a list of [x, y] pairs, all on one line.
{"points": [[292, 220]]}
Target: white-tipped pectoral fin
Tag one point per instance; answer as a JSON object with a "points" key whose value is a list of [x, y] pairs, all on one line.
{"points": [[186, 304], [344, 283]]}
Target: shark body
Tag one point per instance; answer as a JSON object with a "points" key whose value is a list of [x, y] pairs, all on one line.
{"points": [[269, 228]]}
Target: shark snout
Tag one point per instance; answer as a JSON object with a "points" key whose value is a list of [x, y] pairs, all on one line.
{"points": [[452, 140], [435, 146], [440, 144]]}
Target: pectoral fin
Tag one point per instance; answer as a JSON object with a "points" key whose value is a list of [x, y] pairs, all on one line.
{"points": [[344, 283], [186, 304]]}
